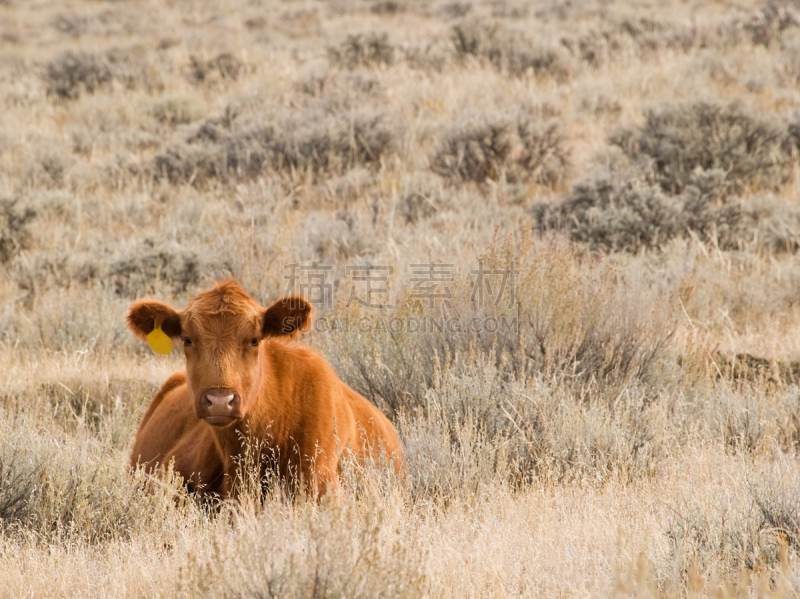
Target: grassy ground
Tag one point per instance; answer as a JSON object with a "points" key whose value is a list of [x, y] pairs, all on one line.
{"points": [[634, 431]]}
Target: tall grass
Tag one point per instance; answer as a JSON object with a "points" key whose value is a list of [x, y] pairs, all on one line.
{"points": [[627, 425]]}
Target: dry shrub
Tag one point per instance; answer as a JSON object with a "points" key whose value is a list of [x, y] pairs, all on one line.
{"points": [[73, 73], [176, 110], [599, 104], [387, 7], [747, 367], [222, 67], [162, 266], [37, 270], [794, 133], [610, 213], [336, 90], [544, 156], [306, 552], [776, 492], [762, 222], [434, 53], [458, 8], [581, 320], [690, 164], [107, 408], [419, 199], [744, 529], [720, 540], [73, 25], [58, 318], [130, 270], [415, 206], [570, 320], [790, 60], [753, 150], [638, 37], [343, 237], [15, 229], [737, 291], [524, 149], [765, 26], [70, 487], [479, 426], [740, 420], [510, 50], [297, 142], [370, 49], [50, 166], [736, 420], [474, 153]]}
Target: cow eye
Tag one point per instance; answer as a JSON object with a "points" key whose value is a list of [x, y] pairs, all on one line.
{"points": [[254, 342], [187, 341]]}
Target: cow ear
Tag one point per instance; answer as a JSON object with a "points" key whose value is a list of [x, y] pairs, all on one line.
{"points": [[144, 314], [287, 316]]}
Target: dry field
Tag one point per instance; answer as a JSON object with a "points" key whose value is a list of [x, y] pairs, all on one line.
{"points": [[633, 431]]}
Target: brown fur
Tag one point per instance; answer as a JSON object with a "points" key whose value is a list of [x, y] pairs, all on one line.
{"points": [[293, 403]]}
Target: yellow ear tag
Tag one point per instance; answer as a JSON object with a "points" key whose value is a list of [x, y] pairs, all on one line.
{"points": [[159, 341]]}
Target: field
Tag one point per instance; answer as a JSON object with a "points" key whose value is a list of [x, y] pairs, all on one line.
{"points": [[556, 242]]}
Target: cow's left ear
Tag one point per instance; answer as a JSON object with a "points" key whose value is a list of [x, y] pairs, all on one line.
{"points": [[287, 316]]}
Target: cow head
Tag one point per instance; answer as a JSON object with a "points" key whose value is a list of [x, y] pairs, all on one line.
{"points": [[222, 330]]}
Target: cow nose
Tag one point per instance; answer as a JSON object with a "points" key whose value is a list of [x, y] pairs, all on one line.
{"points": [[219, 401], [219, 404]]}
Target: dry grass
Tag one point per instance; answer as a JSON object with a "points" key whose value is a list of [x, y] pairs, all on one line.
{"points": [[632, 430]]}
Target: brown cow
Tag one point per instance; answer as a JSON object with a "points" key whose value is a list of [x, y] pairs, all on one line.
{"points": [[244, 382]]}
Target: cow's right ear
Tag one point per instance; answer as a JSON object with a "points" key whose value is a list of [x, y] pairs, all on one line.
{"points": [[144, 314]]}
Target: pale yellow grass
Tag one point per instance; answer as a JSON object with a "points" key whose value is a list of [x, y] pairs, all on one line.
{"points": [[567, 541], [634, 484]]}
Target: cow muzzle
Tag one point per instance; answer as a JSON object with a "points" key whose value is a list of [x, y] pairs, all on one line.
{"points": [[219, 406]]}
